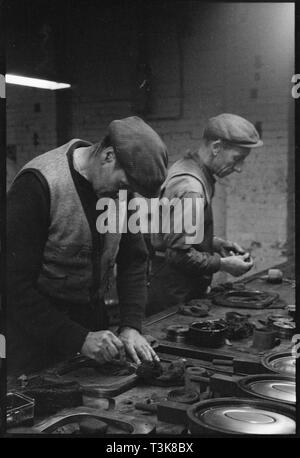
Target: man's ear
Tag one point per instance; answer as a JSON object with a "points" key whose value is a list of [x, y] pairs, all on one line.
{"points": [[108, 155], [216, 147]]}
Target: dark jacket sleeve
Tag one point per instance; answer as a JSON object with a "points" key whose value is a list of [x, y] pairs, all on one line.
{"points": [[28, 207], [131, 280], [179, 253], [191, 261], [194, 262]]}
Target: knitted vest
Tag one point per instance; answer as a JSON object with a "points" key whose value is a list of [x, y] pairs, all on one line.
{"points": [[67, 268]]}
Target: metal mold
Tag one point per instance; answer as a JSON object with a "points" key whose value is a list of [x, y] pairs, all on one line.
{"points": [[245, 299], [272, 387], [209, 333], [241, 416], [283, 363], [91, 378], [127, 424]]}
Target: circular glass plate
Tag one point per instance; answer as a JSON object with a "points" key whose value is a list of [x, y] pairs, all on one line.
{"points": [[285, 365], [282, 363], [247, 420], [284, 391]]}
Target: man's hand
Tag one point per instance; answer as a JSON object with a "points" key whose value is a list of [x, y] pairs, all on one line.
{"points": [[103, 346], [226, 248], [137, 346], [236, 265]]}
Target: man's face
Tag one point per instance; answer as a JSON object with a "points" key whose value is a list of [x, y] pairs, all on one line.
{"points": [[119, 179], [112, 177], [227, 158]]}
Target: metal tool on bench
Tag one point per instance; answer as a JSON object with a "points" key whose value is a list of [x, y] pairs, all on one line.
{"points": [[241, 416], [196, 379], [274, 276], [161, 318]]}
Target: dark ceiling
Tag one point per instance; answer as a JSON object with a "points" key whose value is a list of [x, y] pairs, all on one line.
{"points": [[44, 37]]}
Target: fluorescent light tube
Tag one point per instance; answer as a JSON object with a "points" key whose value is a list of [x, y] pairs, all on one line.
{"points": [[35, 82]]}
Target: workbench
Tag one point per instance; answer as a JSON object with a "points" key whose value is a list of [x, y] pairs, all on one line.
{"points": [[240, 351], [203, 356]]}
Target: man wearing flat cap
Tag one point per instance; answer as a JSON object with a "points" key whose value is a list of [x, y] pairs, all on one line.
{"points": [[60, 266], [183, 271]]}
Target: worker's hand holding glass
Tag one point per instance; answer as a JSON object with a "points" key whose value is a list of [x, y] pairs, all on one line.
{"points": [[226, 248], [137, 347], [103, 346], [236, 265]]}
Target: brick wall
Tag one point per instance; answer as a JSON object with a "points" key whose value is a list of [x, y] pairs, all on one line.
{"points": [[31, 125], [102, 95], [259, 65], [205, 59]]}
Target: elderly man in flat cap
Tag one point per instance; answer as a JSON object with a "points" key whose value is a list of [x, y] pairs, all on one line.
{"points": [[59, 265], [183, 271]]}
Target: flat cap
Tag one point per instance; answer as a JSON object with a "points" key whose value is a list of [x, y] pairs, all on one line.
{"points": [[141, 153], [233, 129]]}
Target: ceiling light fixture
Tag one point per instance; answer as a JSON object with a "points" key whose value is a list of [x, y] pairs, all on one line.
{"points": [[35, 82]]}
